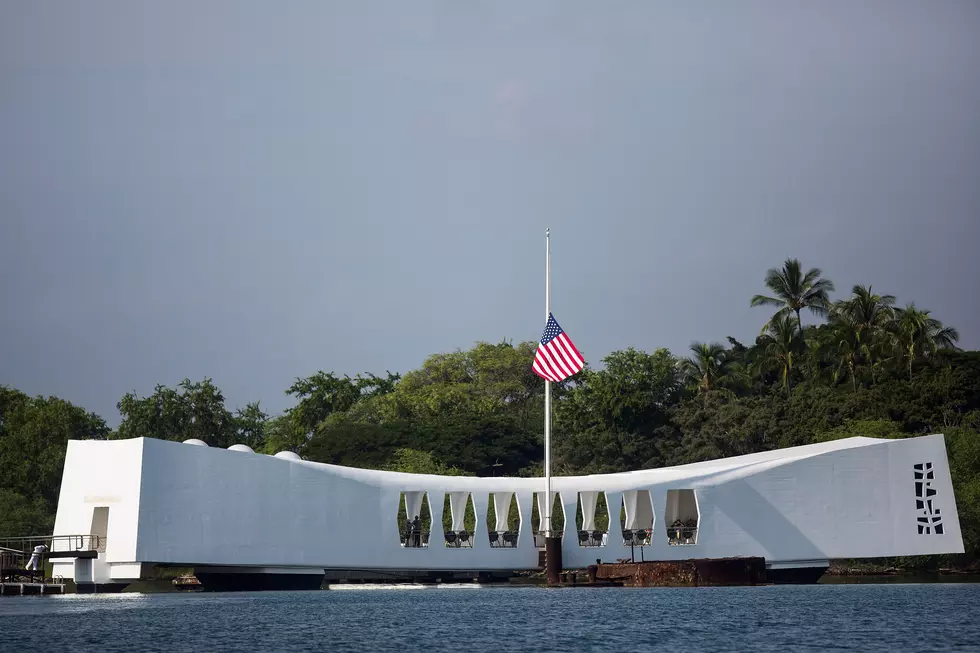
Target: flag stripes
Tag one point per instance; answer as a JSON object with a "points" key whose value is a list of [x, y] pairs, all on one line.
{"points": [[557, 357]]}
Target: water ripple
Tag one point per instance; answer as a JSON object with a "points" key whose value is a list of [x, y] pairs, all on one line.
{"points": [[928, 617]]}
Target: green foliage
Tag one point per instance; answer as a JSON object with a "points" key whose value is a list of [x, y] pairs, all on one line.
{"points": [[282, 434], [479, 408], [22, 514], [863, 325], [34, 435], [250, 423], [793, 291], [344, 441], [191, 410], [324, 394], [709, 367], [917, 334], [609, 420], [412, 461], [963, 446], [866, 428], [777, 347]]}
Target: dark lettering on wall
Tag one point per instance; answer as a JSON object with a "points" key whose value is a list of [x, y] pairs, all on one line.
{"points": [[929, 520]]}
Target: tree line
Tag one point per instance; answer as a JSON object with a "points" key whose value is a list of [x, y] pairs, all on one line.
{"points": [[859, 365]]}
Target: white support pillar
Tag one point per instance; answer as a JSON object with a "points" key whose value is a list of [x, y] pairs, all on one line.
{"points": [[614, 502], [391, 503], [481, 539], [658, 543], [539, 496], [437, 504], [570, 538], [525, 501]]}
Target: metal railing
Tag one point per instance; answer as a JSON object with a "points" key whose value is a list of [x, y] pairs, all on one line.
{"points": [[12, 564], [636, 537], [415, 539], [462, 539], [681, 535], [591, 538], [503, 539], [539, 537], [55, 543], [17, 554]]}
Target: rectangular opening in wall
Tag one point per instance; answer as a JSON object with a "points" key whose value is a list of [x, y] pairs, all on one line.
{"points": [[414, 519], [557, 518], [592, 518], [682, 517], [100, 527], [637, 517], [503, 520], [461, 524]]}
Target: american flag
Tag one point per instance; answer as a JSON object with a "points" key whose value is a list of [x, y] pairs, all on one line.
{"points": [[557, 358]]}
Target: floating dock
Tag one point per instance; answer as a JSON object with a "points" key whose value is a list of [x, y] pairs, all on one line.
{"points": [[13, 589]]}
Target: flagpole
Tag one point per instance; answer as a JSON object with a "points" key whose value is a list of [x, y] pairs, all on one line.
{"points": [[547, 394]]}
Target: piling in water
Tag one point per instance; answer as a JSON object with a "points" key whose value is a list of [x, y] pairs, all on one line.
{"points": [[552, 549]]}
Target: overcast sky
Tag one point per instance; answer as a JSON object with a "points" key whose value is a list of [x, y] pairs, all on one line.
{"points": [[256, 190]]}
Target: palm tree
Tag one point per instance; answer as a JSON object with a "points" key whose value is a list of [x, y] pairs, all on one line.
{"points": [[795, 291], [708, 367], [845, 347], [816, 345], [778, 347], [863, 321], [918, 334], [868, 311]]}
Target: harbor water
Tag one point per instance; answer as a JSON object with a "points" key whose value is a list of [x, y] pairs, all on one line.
{"points": [[897, 617]]}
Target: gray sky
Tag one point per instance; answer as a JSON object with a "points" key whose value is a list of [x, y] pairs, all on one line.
{"points": [[255, 190]]}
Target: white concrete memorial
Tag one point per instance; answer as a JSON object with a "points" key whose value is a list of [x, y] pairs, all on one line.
{"points": [[236, 511]]}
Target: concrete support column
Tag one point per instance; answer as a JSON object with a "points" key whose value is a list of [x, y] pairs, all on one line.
{"points": [[481, 538], [614, 502], [525, 502], [437, 503], [658, 543], [570, 538]]}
